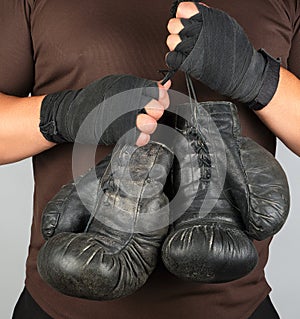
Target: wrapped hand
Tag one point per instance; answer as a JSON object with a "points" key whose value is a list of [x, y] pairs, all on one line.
{"points": [[212, 47]]}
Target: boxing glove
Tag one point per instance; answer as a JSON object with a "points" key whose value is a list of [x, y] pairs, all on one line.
{"points": [[241, 189], [255, 180], [100, 113], [207, 242], [108, 248]]}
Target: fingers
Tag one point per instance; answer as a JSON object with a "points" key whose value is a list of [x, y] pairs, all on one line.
{"points": [[166, 86], [186, 10], [180, 25], [175, 25], [172, 41], [143, 139], [164, 98], [155, 109], [147, 123]]}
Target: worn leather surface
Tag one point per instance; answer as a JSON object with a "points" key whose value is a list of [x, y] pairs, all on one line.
{"points": [[207, 243], [108, 248], [241, 190], [255, 180]]}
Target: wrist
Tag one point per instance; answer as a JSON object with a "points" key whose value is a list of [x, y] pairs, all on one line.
{"points": [[269, 83], [53, 116]]}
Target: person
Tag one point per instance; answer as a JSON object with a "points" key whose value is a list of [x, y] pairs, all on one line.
{"points": [[48, 46]]}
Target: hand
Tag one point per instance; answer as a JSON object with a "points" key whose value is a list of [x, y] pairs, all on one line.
{"points": [[147, 123], [212, 47], [104, 111]]}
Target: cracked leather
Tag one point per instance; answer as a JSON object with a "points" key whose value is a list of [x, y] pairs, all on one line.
{"points": [[207, 243], [255, 179], [110, 253], [211, 242]]}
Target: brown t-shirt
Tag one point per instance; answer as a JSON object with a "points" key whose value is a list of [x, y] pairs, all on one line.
{"points": [[48, 46]]}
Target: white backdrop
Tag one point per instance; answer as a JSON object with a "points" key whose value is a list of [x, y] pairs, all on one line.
{"points": [[16, 187]]}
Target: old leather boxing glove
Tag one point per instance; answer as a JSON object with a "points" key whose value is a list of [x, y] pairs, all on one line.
{"points": [[207, 243], [110, 252], [255, 180]]}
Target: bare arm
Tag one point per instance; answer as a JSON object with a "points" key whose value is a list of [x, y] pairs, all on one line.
{"points": [[20, 136], [282, 114]]}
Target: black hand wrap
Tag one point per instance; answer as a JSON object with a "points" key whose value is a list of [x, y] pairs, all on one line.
{"points": [[112, 104], [216, 51], [110, 253]]}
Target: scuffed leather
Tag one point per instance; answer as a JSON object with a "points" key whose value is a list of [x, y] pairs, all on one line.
{"points": [[255, 179], [212, 245], [118, 250], [66, 210], [205, 246]]}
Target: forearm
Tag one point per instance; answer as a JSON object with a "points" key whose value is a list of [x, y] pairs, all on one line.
{"points": [[236, 69], [282, 114], [20, 136]]}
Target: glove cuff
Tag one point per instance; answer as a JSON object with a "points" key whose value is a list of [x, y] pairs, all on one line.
{"points": [[269, 84]]}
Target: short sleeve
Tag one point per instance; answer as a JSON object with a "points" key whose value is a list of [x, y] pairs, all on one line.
{"points": [[294, 55], [16, 58]]}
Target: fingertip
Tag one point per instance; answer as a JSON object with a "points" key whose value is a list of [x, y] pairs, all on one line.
{"points": [[186, 10], [155, 108], [162, 92], [164, 100], [143, 139], [165, 86], [170, 24], [145, 123]]}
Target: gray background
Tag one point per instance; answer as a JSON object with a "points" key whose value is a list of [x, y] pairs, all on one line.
{"points": [[16, 185]]}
